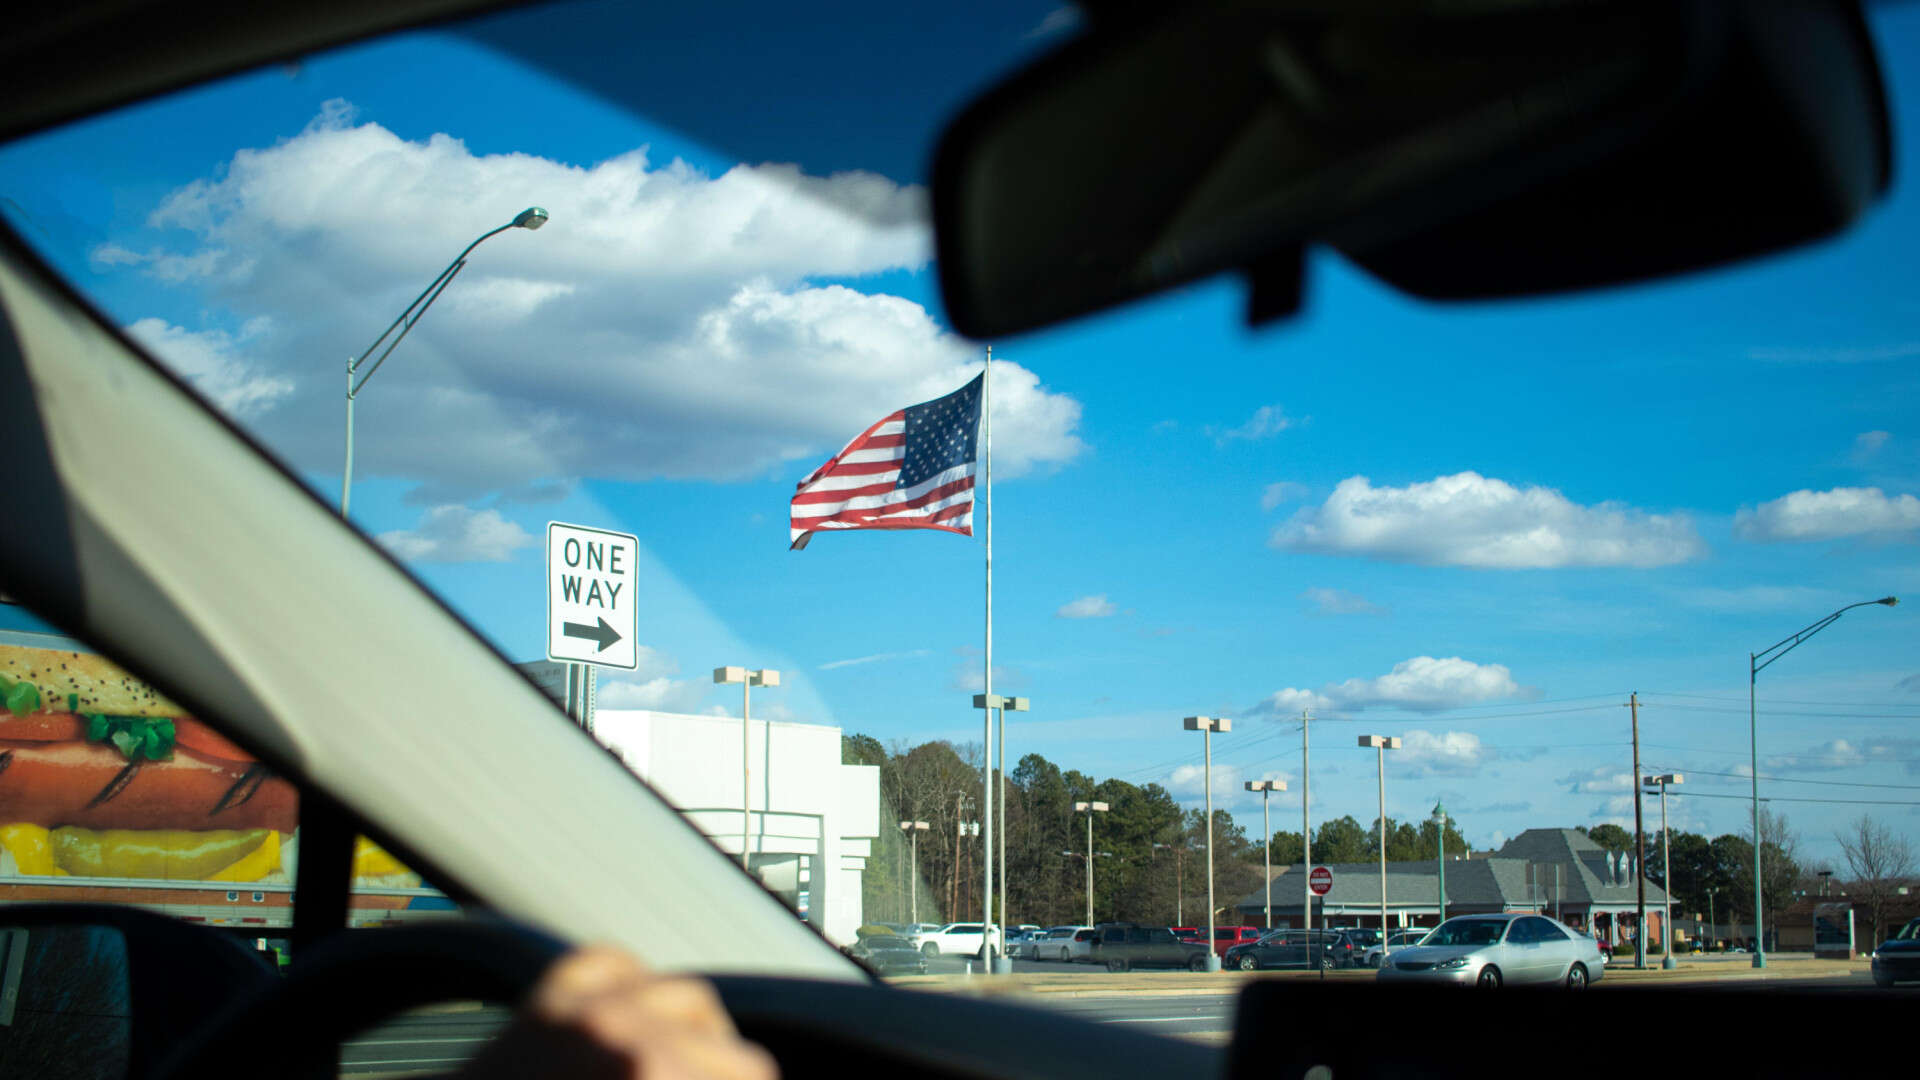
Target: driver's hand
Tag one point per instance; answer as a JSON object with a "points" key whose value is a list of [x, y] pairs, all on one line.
{"points": [[597, 1013]]}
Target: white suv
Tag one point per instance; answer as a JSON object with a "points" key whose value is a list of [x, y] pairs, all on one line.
{"points": [[960, 939]]}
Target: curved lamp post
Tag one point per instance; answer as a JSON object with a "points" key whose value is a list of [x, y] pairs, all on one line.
{"points": [[1756, 662], [531, 218]]}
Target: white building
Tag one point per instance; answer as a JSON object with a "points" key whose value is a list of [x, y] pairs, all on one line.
{"points": [[813, 820]]}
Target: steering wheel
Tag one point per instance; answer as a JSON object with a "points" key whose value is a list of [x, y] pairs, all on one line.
{"points": [[354, 979]]}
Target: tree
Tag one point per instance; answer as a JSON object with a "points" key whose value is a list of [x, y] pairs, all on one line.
{"points": [[1611, 837], [1779, 868], [1342, 840], [1879, 860], [1287, 848]]}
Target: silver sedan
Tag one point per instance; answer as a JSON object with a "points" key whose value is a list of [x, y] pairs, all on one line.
{"points": [[1498, 950]]}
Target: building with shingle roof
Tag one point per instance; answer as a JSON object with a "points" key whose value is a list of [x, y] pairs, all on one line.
{"points": [[1558, 872]]}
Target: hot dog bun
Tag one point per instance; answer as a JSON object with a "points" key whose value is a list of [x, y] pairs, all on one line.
{"points": [[97, 682]]}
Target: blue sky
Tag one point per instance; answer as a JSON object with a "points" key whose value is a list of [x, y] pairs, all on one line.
{"points": [[1482, 524]]}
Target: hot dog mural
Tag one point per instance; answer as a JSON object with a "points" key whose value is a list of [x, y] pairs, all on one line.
{"points": [[111, 792]]}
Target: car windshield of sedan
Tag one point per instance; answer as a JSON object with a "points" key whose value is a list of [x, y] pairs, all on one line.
{"points": [[1909, 932], [622, 331], [1468, 932]]}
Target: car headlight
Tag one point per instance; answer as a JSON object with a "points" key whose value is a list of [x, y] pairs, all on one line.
{"points": [[1454, 964]]}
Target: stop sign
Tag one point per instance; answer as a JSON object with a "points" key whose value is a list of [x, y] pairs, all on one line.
{"points": [[1320, 881]]}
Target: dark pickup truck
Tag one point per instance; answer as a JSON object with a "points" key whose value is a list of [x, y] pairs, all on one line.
{"points": [[1122, 947]]}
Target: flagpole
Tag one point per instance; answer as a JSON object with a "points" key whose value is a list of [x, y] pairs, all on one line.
{"points": [[986, 438]]}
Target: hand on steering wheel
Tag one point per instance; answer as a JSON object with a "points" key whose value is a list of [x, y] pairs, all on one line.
{"points": [[598, 1013]]}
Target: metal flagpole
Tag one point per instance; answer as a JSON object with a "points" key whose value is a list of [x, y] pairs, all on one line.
{"points": [[1306, 832], [986, 438]]}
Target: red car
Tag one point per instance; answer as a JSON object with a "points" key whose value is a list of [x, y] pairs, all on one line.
{"points": [[1224, 937]]}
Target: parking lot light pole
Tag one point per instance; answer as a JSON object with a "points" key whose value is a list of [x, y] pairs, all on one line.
{"points": [[1666, 866], [1755, 665], [1089, 809], [1440, 836], [913, 829], [1207, 725], [529, 219], [1266, 788], [1000, 704], [747, 680], [1381, 744]]}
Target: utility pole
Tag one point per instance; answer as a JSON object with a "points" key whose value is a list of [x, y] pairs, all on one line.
{"points": [[1639, 845], [1306, 827]]}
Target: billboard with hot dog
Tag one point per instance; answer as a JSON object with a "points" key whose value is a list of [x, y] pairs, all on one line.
{"points": [[102, 777]]}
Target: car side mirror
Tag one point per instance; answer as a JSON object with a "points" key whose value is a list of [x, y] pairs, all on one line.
{"points": [[90, 991]]}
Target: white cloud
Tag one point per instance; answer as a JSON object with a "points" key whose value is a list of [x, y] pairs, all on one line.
{"points": [[1448, 753], [1187, 783], [1847, 754], [1471, 520], [1828, 515], [210, 360], [1284, 491], [651, 685], [1421, 684], [1867, 445], [664, 323], [458, 534], [1087, 607], [1600, 780], [874, 658], [1341, 602], [968, 677], [1266, 422]]}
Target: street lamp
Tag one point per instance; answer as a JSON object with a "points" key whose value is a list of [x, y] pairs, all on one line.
{"points": [[1000, 704], [1713, 927], [530, 219], [1089, 809], [1440, 836], [1207, 725], [1754, 666], [1266, 788], [1666, 864], [1381, 744], [913, 829], [747, 680]]}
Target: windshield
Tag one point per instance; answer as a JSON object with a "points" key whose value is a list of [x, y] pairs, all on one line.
{"points": [[644, 335], [1909, 932], [1467, 932]]}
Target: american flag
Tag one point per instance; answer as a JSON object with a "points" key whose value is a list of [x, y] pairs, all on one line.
{"points": [[912, 470]]}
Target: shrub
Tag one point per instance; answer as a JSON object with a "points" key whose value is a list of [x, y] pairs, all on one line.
{"points": [[873, 930]]}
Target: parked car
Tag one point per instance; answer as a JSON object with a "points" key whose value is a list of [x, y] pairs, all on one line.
{"points": [[1125, 946], [1497, 950], [1284, 949], [1226, 937], [1020, 942], [889, 955], [953, 939], [1055, 943], [1349, 945], [1187, 933], [1399, 939], [1898, 958]]}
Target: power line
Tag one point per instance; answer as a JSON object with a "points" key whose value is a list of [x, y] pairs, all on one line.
{"points": [[1775, 713], [1796, 780], [1793, 701], [1775, 798]]}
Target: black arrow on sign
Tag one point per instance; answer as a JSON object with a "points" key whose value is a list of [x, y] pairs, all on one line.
{"points": [[604, 634]]}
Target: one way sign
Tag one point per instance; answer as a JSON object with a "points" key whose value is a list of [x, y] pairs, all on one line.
{"points": [[592, 613]]}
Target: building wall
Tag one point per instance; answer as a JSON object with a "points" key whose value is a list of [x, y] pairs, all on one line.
{"points": [[813, 820]]}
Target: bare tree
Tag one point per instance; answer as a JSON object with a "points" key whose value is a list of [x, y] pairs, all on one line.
{"points": [[1880, 859]]}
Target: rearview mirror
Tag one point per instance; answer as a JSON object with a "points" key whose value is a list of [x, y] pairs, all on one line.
{"points": [[1460, 149]]}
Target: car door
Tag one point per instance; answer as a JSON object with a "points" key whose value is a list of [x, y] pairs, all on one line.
{"points": [[1558, 949], [1523, 955]]}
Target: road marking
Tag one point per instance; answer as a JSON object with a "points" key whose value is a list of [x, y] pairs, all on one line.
{"points": [[1159, 1019], [412, 1042]]}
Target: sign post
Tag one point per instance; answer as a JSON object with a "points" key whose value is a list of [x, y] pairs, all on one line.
{"points": [[1321, 882], [593, 610]]}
